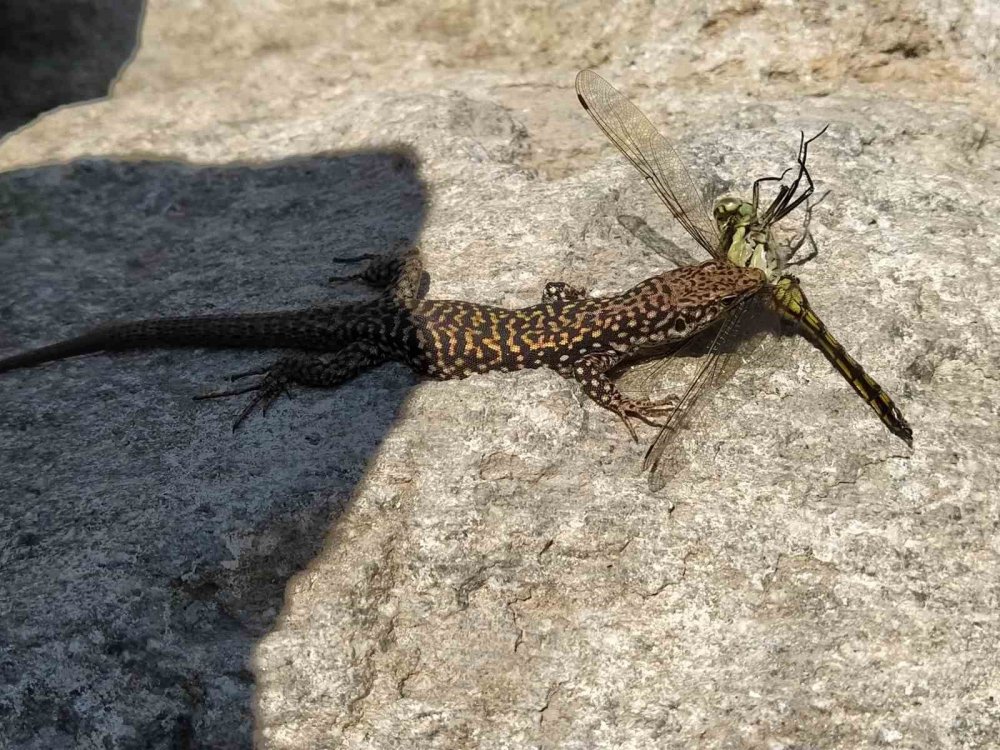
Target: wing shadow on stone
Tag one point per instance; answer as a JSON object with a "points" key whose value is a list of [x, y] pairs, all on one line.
{"points": [[144, 547]]}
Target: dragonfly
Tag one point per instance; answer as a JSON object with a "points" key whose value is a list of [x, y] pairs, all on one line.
{"points": [[737, 232]]}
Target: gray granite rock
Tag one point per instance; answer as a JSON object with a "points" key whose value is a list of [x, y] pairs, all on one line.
{"points": [[481, 563]]}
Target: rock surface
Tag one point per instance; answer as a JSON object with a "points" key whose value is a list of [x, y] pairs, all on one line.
{"points": [[480, 563]]}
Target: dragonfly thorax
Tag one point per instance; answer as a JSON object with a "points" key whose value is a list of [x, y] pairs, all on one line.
{"points": [[747, 241]]}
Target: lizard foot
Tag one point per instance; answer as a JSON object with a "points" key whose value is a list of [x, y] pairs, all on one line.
{"points": [[644, 409], [334, 280], [265, 391], [327, 370], [647, 411], [385, 272]]}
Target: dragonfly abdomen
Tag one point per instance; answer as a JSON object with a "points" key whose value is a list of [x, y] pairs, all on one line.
{"points": [[791, 303]]}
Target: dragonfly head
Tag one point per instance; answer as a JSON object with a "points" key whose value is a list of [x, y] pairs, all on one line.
{"points": [[734, 219], [748, 243], [732, 211]]}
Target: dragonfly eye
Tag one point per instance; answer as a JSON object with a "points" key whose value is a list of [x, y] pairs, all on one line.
{"points": [[725, 208]]}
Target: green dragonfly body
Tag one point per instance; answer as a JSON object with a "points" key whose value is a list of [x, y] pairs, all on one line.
{"points": [[735, 231]]}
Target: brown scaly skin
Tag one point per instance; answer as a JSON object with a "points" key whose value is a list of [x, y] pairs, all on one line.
{"points": [[575, 335]]}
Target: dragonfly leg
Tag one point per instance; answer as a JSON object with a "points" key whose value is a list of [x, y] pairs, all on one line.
{"points": [[789, 196], [591, 371], [804, 236], [797, 243], [302, 369], [757, 184], [560, 291]]}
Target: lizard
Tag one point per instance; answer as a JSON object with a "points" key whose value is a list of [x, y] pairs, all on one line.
{"points": [[580, 337]]}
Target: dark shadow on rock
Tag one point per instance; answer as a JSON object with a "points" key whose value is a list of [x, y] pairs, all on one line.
{"points": [[61, 51], [144, 548]]}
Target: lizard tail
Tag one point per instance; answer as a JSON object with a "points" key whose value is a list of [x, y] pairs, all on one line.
{"points": [[93, 341], [248, 331]]}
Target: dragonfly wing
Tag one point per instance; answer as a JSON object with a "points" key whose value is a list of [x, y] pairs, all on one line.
{"points": [[745, 332], [717, 369], [628, 128], [641, 376]]}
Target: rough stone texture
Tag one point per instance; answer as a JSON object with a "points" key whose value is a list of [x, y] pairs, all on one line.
{"points": [[480, 563]]}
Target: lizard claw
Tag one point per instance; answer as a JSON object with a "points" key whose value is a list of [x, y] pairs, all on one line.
{"points": [[629, 427], [248, 373], [645, 411], [229, 392], [264, 397], [335, 280], [266, 391]]}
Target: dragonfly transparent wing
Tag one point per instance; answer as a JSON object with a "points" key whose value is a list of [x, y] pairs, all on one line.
{"points": [[634, 135], [747, 330], [718, 368]]}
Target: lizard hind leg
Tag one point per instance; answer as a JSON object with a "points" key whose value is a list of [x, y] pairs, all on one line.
{"points": [[400, 276], [323, 370]]}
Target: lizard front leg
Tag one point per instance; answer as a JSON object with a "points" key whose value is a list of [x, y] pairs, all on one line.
{"points": [[324, 370], [591, 371], [560, 291]]}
